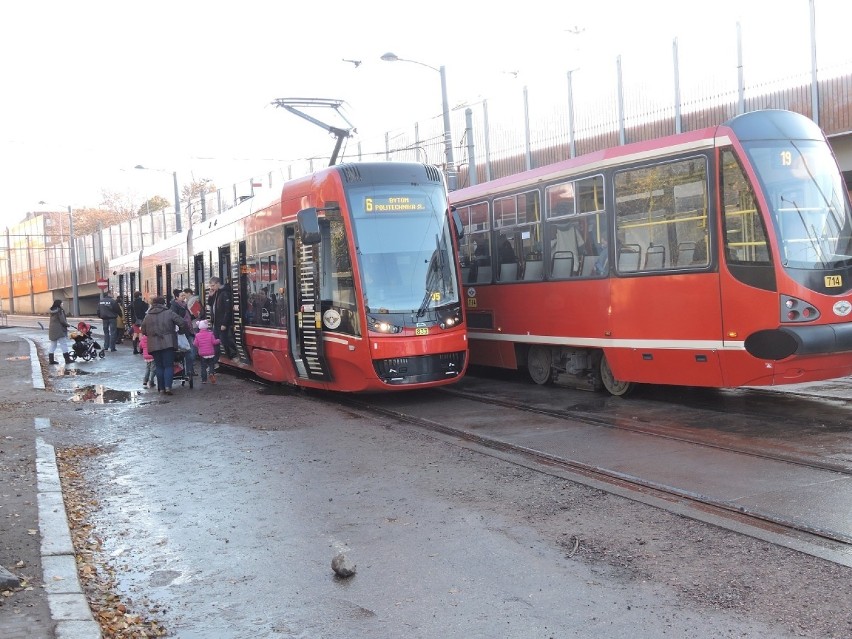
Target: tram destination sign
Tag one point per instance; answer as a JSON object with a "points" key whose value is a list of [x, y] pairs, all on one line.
{"points": [[395, 204]]}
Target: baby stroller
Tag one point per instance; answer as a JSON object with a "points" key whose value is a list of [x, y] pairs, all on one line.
{"points": [[83, 345], [181, 374]]}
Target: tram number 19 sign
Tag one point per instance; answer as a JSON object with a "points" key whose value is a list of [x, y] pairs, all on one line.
{"points": [[103, 284]]}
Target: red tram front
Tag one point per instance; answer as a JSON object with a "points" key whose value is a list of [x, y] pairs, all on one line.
{"points": [[719, 258], [349, 281]]}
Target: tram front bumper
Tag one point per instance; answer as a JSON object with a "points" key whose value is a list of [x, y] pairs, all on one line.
{"points": [[785, 341]]}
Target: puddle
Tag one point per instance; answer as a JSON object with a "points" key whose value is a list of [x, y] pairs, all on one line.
{"points": [[100, 394], [73, 372]]}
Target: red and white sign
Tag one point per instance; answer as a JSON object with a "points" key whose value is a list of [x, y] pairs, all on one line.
{"points": [[103, 284]]}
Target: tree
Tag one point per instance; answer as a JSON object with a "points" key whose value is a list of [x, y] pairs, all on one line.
{"points": [[156, 203], [87, 220], [195, 189]]}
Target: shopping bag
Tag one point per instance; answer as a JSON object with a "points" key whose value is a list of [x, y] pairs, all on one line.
{"points": [[183, 343]]}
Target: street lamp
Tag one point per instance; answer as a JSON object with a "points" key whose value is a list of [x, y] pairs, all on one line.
{"points": [[178, 225], [75, 292], [448, 135]]}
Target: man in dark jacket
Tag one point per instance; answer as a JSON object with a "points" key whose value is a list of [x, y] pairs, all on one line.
{"points": [[221, 316], [109, 311]]}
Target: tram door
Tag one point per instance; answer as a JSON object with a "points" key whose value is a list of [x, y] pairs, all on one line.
{"points": [[159, 281], [232, 262], [240, 298], [198, 271], [304, 308]]}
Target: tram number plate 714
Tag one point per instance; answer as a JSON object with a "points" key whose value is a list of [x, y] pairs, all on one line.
{"points": [[421, 331], [833, 281]]}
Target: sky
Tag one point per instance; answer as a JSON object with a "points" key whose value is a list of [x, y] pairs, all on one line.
{"points": [[92, 89]]}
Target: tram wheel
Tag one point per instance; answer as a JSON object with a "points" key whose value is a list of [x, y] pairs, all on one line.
{"points": [[538, 364], [613, 386]]}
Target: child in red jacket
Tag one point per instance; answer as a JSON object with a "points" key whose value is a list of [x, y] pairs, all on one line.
{"points": [[150, 379]]}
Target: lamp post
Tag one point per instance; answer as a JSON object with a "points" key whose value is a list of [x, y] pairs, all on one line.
{"points": [[178, 225], [72, 243], [448, 135]]}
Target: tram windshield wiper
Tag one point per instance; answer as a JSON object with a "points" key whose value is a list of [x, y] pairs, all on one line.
{"points": [[435, 274], [813, 236]]}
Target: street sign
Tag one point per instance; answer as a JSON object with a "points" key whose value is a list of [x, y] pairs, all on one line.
{"points": [[103, 284]]}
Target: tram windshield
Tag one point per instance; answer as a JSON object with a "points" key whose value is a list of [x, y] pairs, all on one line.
{"points": [[808, 201], [404, 248]]}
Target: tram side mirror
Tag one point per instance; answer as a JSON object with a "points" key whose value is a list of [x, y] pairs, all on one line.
{"points": [[309, 231], [457, 222]]}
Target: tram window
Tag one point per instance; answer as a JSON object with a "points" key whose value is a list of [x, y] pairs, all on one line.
{"points": [[505, 212], [475, 249], [518, 217], [662, 209], [529, 207], [262, 306], [745, 234], [584, 240], [265, 304], [560, 200], [590, 194], [337, 281]]}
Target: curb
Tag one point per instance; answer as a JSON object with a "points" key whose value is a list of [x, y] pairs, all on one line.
{"points": [[69, 609], [35, 365], [68, 606]]}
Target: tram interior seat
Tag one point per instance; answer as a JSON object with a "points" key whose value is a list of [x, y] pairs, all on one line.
{"points": [[533, 270], [483, 275], [629, 258], [685, 251], [466, 274], [509, 272], [563, 264], [588, 266], [655, 257], [566, 242]]}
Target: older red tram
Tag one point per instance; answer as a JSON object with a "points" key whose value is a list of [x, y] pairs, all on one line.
{"points": [[347, 280], [718, 258]]}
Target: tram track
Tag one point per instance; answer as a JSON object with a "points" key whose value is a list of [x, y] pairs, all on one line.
{"points": [[584, 417], [805, 535], [800, 533]]}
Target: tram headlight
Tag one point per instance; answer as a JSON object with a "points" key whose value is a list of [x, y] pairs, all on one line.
{"points": [[796, 310], [449, 317], [381, 326]]}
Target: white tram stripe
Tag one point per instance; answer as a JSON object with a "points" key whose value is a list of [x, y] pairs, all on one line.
{"points": [[671, 344]]}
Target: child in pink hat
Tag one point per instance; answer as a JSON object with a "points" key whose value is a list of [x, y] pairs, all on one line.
{"points": [[206, 344]]}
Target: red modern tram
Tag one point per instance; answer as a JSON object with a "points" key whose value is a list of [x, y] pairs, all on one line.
{"points": [[717, 258], [347, 281]]}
